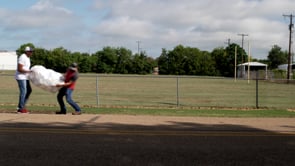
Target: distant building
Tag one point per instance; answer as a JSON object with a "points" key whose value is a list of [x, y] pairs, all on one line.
{"points": [[254, 67], [285, 67], [156, 71], [8, 60]]}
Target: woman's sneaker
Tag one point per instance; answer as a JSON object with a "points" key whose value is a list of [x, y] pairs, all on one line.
{"points": [[23, 111]]}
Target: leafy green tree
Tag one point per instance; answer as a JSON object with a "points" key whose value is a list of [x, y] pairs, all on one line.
{"points": [[193, 62], [225, 59], [141, 64], [218, 56], [83, 60], [242, 56], [163, 62], [41, 57], [207, 64], [61, 59], [106, 60], [186, 61], [151, 64], [124, 64], [277, 57], [176, 58], [93, 59]]}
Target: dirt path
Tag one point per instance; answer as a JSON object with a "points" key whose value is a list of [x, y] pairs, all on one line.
{"points": [[196, 123]]}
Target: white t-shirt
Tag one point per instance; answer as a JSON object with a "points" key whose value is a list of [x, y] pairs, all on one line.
{"points": [[26, 62]]}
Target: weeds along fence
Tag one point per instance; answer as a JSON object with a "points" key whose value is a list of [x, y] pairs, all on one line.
{"points": [[98, 90]]}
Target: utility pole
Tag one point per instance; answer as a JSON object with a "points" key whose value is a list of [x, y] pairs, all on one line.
{"points": [[291, 26], [243, 35], [138, 47], [228, 41]]}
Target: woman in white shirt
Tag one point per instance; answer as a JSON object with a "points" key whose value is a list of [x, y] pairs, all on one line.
{"points": [[21, 76]]}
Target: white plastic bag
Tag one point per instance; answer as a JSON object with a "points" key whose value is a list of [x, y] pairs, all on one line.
{"points": [[46, 79]]}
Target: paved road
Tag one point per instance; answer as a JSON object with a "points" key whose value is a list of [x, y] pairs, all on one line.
{"points": [[43, 139]]}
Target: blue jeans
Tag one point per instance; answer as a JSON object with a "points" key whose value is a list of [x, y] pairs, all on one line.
{"points": [[68, 93], [25, 91]]}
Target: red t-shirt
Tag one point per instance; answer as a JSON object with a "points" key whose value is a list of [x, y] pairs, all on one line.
{"points": [[71, 76]]}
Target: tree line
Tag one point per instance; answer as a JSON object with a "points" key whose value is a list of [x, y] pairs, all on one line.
{"points": [[179, 61]]}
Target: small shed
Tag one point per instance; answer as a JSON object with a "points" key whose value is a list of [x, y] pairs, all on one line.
{"points": [[254, 68], [8, 60]]}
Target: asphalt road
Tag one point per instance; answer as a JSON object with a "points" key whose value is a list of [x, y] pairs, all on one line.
{"points": [[38, 139]]}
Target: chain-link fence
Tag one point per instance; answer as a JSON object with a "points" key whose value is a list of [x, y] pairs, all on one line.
{"points": [[162, 91]]}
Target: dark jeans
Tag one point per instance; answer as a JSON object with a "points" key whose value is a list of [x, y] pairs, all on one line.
{"points": [[68, 93], [24, 92]]}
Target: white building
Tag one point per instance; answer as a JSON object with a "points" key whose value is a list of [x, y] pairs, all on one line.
{"points": [[252, 67], [285, 67], [8, 60]]}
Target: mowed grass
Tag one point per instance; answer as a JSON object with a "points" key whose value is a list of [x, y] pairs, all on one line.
{"points": [[262, 113], [162, 95]]}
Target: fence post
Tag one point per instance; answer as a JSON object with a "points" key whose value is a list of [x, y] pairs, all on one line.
{"points": [[177, 91], [97, 92], [257, 75]]}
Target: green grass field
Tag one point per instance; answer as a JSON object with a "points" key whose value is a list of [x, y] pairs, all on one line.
{"points": [[162, 95]]}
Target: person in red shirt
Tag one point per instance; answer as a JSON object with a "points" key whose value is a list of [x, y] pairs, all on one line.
{"points": [[67, 89]]}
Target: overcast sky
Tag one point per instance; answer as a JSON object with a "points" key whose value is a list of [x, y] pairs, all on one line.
{"points": [[90, 25]]}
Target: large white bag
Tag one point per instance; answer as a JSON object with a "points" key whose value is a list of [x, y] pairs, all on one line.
{"points": [[46, 79]]}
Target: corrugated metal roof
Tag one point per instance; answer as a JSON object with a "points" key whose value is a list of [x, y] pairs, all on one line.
{"points": [[253, 64]]}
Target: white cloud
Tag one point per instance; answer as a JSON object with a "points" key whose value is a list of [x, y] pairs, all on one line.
{"points": [[125, 27], [206, 24], [47, 6], [41, 15]]}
